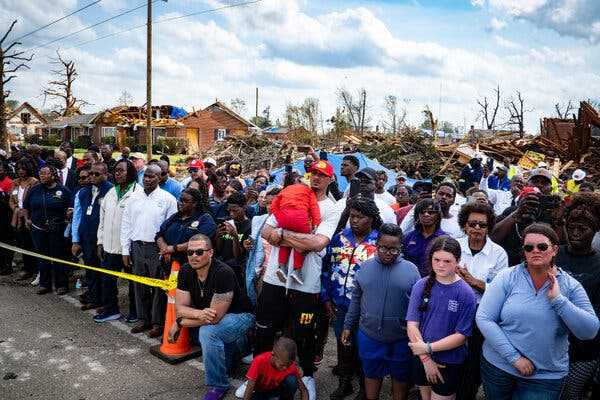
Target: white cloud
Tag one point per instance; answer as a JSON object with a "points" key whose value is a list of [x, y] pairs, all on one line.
{"points": [[577, 18], [507, 44], [497, 24]]}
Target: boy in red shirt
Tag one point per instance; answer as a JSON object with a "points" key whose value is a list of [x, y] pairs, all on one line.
{"points": [[296, 209], [275, 374]]}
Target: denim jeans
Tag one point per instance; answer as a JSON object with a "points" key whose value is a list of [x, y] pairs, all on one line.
{"points": [[286, 390], [219, 343], [500, 385]]}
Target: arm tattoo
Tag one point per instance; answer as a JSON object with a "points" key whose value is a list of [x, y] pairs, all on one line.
{"points": [[223, 297]]}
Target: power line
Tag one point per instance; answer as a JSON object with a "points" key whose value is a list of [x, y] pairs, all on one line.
{"points": [[168, 19], [58, 20], [92, 26]]}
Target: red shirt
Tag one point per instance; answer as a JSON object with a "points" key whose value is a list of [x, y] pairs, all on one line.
{"points": [[299, 197], [266, 377], [6, 185]]}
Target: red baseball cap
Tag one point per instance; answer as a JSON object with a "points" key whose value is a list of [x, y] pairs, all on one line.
{"points": [[323, 167], [196, 164]]}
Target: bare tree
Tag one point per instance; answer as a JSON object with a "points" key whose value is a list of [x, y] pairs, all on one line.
{"points": [[431, 122], [62, 87], [356, 108], [238, 105], [563, 111], [11, 61], [305, 115], [489, 111], [394, 117], [126, 99], [516, 111]]}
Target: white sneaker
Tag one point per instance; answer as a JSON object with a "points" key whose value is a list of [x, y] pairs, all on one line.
{"points": [[311, 388], [239, 392], [36, 281], [248, 359]]}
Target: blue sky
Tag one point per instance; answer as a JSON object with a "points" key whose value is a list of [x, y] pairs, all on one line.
{"points": [[293, 49]]}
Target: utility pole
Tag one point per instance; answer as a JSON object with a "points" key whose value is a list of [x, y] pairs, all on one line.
{"points": [[149, 83], [256, 109]]}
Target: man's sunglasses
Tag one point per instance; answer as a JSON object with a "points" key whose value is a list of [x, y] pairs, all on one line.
{"points": [[198, 252], [540, 246], [475, 224]]}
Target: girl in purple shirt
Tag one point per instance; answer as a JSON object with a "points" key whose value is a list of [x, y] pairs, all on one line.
{"points": [[440, 316]]}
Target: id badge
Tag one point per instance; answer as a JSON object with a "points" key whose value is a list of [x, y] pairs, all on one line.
{"points": [[89, 210]]}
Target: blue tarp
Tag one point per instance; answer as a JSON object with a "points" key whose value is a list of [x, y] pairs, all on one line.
{"points": [[177, 112], [336, 161]]}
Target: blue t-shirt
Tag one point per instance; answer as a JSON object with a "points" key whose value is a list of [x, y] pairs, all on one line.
{"points": [[414, 249], [450, 309]]}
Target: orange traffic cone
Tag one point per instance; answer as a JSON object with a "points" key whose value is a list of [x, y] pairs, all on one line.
{"points": [[181, 350]]}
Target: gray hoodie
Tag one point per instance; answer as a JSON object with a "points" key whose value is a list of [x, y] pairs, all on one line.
{"points": [[380, 299]]}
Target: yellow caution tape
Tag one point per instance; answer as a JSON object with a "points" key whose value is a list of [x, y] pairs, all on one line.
{"points": [[165, 284]]}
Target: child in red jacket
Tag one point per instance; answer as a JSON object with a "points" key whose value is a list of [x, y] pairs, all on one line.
{"points": [[296, 209]]}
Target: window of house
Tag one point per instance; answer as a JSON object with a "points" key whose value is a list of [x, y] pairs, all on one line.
{"points": [[109, 131], [156, 132], [220, 134], [26, 118]]}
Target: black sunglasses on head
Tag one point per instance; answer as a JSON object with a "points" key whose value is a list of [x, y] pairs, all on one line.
{"points": [[540, 246], [198, 252]]}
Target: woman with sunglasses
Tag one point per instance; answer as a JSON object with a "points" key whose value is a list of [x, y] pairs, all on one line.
{"points": [[428, 215], [525, 316], [481, 260]]}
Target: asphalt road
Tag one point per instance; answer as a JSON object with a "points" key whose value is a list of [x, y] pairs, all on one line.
{"points": [[49, 349]]}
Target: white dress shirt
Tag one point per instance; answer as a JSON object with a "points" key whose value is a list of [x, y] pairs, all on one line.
{"points": [[484, 265], [64, 174], [69, 164], [143, 216]]}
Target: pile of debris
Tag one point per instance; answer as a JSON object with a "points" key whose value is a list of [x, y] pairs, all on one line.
{"points": [[409, 151], [254, 152]]}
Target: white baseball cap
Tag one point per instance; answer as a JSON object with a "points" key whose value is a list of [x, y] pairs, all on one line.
{"points": [[210, 160], [578, 175], [542, 164]]}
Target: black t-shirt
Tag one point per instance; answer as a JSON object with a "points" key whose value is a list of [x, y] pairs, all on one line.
{"points": [[226, 255], [586, 269], [513, 245], [220, 279]]}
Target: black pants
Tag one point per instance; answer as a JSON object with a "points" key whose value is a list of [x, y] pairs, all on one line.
{"points": [[92, 278], [23, 239], [470, 375], [322, 329], [274, 310], [110, 292], [51, 244]]}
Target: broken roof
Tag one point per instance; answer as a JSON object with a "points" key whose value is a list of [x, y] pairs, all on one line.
{"points": [[81, 120]]}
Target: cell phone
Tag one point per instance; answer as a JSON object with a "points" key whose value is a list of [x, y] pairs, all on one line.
{"points": [[354, 188], [221, 221]]}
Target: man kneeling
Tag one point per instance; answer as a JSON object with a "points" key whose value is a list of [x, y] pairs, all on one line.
{"points": [[275, 375], [208, 296]]}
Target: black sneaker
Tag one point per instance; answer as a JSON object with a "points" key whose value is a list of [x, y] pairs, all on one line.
{"points": [[106, 317], [131, 319]]}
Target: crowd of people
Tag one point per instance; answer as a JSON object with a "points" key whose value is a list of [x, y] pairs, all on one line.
{"points": [[493, 280]]}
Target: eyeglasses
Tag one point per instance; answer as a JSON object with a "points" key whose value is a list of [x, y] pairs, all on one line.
{"points": [[198, 252], [391, 250], [475, 224], [430, 212], [540, 246]]}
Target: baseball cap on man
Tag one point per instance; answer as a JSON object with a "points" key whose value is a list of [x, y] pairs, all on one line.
{"points": [[323, 167], [196, 164], [368, 172], [540, 172], [136, 155], [210, 161], [578, 175]]}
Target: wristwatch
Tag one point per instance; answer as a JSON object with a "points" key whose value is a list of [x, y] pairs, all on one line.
{"points": [[429, 349], [178, 321]]}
